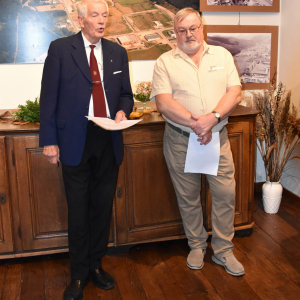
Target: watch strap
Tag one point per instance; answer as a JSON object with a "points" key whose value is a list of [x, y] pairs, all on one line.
{"points": [[217, 115]]}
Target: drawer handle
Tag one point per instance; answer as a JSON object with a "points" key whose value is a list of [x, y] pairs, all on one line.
{"points": [[119, 192], [2, 197]]}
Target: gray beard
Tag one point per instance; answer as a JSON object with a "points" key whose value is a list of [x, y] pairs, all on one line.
{"points": [[189, 48]]}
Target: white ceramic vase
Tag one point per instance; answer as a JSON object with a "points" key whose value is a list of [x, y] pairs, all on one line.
{"points": [[272, 194]]}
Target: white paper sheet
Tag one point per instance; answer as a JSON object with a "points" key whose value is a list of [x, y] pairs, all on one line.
{"points": [[110, 124], [203, 158]]}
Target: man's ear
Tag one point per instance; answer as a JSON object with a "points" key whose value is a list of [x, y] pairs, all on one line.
{"points": [[80, 21]]}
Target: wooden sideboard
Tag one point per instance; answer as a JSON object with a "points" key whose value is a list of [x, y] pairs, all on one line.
{"points": [[33, 209]]}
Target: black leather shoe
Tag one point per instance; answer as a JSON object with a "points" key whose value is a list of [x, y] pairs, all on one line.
{"points": [[102, 279], [74, 290]]}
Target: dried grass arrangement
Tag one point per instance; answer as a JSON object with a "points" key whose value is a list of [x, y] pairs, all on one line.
{"points": [[277, 129]]}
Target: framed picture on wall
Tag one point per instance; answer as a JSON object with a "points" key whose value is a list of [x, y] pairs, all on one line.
{"points": [[254, 49], [240, 5], [142, 28]]}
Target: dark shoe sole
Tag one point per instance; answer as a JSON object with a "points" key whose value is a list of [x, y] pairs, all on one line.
{"points": [[81, 298], [195, 267], [84, 285], [217, 261], [108, 287]]}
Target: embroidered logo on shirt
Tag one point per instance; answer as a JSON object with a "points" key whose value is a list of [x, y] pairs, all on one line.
{"points": [[214, 68]]}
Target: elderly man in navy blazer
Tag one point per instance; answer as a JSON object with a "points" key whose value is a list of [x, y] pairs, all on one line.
{"points": [[85, 74]]}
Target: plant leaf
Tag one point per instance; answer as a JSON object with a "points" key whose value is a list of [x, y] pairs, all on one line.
{"points": [[270, 150]]}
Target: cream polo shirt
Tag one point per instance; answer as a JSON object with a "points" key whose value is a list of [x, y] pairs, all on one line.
{"points": [[199, 90]]}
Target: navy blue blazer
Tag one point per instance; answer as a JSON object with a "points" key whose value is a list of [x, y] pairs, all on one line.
{"points": [[66, 92]]}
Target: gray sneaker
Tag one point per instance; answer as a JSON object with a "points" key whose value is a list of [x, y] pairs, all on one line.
{"points": [[231, 265], [195, 259]]}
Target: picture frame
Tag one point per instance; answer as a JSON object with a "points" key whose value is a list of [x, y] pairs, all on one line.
{"points": [[275, 7], [254, 48]]}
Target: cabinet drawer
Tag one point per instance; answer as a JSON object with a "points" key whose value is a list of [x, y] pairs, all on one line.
{"points": [[143, 134]]}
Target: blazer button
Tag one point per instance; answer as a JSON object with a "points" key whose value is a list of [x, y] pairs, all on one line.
{"points": [[86, 106], [84, 126], [91, 87]]}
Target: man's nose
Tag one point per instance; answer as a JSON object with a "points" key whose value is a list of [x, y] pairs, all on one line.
{"points": [[188, 33], [100, 19]]}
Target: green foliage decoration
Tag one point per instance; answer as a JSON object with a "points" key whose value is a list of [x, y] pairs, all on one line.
{"points": [[29, 112]]}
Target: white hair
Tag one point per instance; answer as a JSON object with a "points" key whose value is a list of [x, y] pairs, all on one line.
{"points": [[82, 7]]}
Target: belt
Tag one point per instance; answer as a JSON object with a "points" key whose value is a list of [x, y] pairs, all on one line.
{"points": [[187, 134]]}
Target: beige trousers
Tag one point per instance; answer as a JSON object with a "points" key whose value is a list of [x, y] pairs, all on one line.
{"points": [[188, 185]]}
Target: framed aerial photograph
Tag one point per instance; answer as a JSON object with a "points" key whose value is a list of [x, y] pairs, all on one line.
{"points": [[240, 5], [143, 27], [254, 49]]}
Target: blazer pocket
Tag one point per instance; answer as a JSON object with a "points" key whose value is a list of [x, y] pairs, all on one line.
{"points": [[60, 123], [117, 72]]}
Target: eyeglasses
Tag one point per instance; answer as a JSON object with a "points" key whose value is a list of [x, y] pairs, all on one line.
{"points": [[192, 30]]}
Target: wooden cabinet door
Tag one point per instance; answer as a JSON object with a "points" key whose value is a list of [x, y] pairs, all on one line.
{"points": [[42, 203], [146, 205], [240, 136], [6, 235]]}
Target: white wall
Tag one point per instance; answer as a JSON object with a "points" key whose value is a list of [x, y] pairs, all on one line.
{"points": [[21, 82], [243, 18], [18, 83], [289, 75], [289, 63]]}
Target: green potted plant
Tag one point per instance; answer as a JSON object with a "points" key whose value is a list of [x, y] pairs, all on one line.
{"points": [[30, 112], [278, 135]]}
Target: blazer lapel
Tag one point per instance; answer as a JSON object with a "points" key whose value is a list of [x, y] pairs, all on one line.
{"points": [[79, 56], [107, 60]]}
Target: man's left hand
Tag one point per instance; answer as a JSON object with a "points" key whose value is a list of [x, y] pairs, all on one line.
{"points": [[120, 116], [203, 124]]}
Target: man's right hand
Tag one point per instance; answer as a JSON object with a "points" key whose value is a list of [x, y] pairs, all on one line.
{"points": [[52, 153], [205, 139]]}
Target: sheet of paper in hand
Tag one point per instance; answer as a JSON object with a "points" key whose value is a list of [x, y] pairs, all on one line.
{"points": [[110, 124], [203, 158]]}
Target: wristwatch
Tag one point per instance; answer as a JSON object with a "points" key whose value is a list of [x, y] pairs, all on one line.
{"points": [[217, 115]]}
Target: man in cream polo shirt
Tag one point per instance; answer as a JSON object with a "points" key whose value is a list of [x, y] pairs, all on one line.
{"points": [[196, 86]]}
